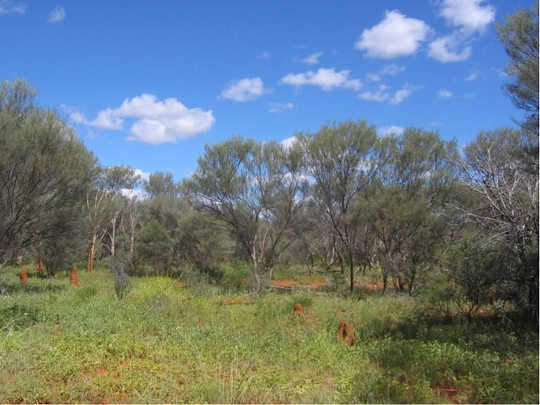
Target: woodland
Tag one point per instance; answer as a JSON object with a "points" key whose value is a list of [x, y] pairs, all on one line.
{"points": [[344, 266]]}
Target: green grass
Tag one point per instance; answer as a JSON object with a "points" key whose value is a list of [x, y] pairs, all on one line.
{"points": [[167, 342]]}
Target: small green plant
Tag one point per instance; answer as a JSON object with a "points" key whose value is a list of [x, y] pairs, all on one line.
{"points": [[122, 282]]}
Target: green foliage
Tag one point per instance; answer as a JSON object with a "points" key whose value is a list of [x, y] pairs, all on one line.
{"points": [[507, 213], [122, 282], [519, 36], [235, 276], [45, 172], [167, 343]]}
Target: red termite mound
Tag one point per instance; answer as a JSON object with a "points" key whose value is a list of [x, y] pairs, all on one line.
{"points": [[74, 277], [40, 268], [298, 309], [345, 333], [23, 276]]}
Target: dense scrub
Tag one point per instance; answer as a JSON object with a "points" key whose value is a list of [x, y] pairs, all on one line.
{"points": [[168, 341]]}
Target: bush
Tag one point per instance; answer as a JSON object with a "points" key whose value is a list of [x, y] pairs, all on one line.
{"points": [[122, 282], [235, 276]]}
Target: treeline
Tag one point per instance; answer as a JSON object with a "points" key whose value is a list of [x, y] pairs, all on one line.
{"points": [[411, 205]]}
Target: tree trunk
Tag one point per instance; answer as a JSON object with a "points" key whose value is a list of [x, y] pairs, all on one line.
{"points": [[113, 237], [132, 239], [92, 252], [255, 269], [351, 270]]}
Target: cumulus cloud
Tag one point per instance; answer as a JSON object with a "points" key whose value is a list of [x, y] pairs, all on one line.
{"points": [[445, 93], [8, 7], [383, 94], [280, 107], [396, 35], [145, 176], [469, 15], [247, 89], [154, 121], [391, 130], [471, 77], [134, 194], [57, 14], [401, 95], [388, 70], [289, 142], [446, 49], [312, 59], [326, 79], [379, 95]]}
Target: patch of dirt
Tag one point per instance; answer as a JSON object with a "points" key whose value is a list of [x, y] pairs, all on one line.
{"points": [[454, 394], [372, 286], [98, 372], [318, 284], [236, 301], [284, 283]]}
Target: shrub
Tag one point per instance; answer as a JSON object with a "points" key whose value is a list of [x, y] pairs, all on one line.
{"points": [[122, 282]]}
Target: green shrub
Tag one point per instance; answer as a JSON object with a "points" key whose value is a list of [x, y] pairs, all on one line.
{"points": [[235, 276], [85, 293]]}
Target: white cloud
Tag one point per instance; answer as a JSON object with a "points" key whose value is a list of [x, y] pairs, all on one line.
{"points": [[155, 121], [388, 70], [471, 77], [445, 49], [289, 142], [401, 95], [8, 7], [264, 55], [391, 130], [469, 15], [445, 93], [326, 79], [383, 94], [57, 14], [312, 59], [142, 174], [244, 90], [134, 194], [396, 35], [280, 107]]}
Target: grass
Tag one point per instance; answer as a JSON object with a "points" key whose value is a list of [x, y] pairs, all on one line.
{"points": [[166, 342]]}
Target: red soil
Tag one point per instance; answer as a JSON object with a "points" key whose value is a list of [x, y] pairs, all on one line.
{"points": [[372, 286], [237, 300], [283, 283], [318, 284]]}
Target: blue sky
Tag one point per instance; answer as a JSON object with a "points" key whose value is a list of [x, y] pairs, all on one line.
{"points": [[149, 83]]}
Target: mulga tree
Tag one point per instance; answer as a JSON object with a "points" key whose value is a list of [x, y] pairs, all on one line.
{"points": [[338, 160], [506, 211], [408, 211], [103, 207], [253, 189], [45, 172], [519, 36]]}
